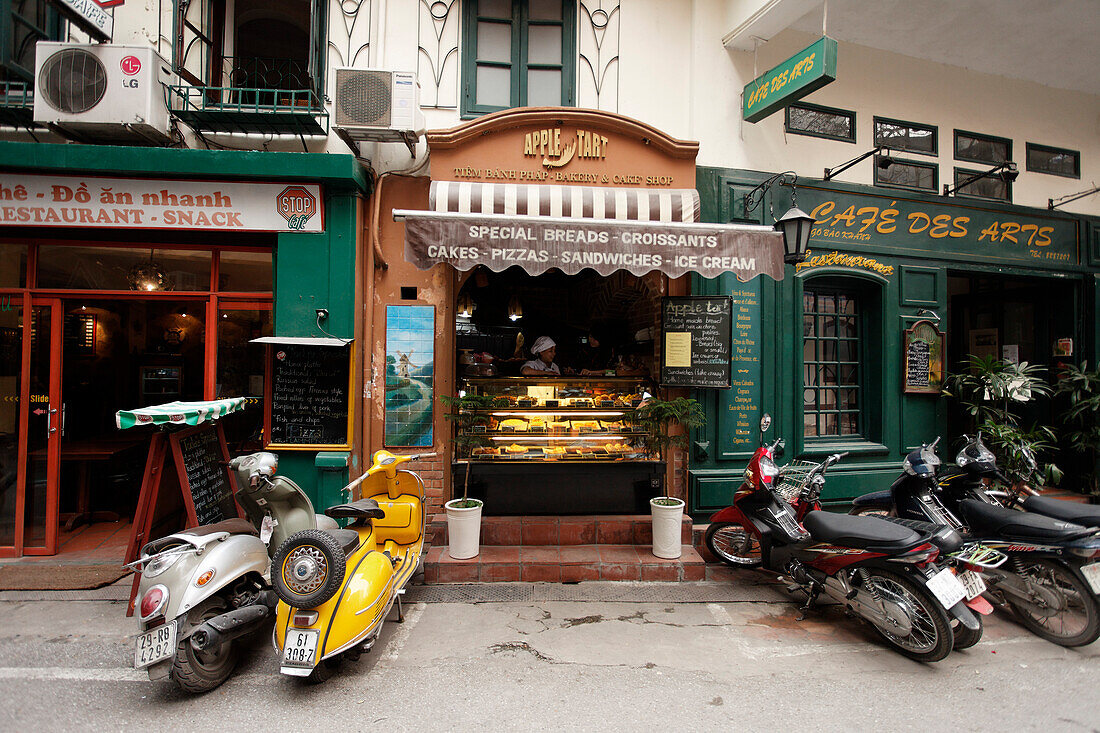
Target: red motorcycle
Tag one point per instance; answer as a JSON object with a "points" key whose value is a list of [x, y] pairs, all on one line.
{"points": [[883, 572]]}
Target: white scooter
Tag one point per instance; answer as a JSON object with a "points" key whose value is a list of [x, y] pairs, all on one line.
{"points": [[203, 588]]}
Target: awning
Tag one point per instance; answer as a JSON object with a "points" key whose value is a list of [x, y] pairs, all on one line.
{"points": [[179, 413], [571, 228]]}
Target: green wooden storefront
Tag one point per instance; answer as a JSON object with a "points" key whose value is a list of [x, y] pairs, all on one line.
{"points": [[1029, 275]]}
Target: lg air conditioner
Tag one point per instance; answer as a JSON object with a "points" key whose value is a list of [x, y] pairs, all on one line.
{"points": [[102, 92], [378, 105]]}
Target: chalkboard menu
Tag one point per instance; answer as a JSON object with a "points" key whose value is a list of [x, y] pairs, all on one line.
{"points": [[310, 396], [923, 359], [203, 473], [696, 348]]}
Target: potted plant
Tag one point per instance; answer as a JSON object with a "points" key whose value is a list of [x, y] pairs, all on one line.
{"points": [[1081, 420], [989, 389], [658, 417], [467, 413]]}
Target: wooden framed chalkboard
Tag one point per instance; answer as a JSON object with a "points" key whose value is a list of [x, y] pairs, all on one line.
{"points": [[696, 332], [923, 359], [309, 405]]}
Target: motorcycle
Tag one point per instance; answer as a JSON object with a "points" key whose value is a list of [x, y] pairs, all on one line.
{"points": [[884, 573], [337, 587], [204, 588], [1052, 577]]}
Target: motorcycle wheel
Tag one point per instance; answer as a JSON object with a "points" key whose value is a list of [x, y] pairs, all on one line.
{"points": [[1076, 622], [308, 568], [196, 671], [964, 637], [323, 671], [733, 545], [931, 638]]}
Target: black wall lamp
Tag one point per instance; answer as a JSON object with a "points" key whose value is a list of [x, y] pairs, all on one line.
{"points": [[1006, 171], [795, 225], [883, 162]]}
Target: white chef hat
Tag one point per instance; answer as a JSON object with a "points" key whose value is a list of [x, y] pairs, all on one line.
{"points": [[542, 343]]}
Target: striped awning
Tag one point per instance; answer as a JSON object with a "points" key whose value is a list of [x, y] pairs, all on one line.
{"points": [[573, 228], [580, 202], [179, 413]]}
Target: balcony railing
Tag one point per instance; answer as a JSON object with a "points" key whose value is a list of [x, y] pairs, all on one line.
{"points": [[17, 104]]}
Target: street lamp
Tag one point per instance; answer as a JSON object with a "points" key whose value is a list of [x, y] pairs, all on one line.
{"points": [[795, 225]]}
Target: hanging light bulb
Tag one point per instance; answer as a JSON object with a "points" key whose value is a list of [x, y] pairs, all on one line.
{"points": [[148, 276], [466, 305], [515, 310]]}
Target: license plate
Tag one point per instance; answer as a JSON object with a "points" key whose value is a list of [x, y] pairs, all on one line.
{"points": [[300, 649], [947, 588], [155, 645], [1092, 575], [973, 583]]}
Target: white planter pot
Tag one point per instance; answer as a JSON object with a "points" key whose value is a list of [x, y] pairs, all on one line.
{"points": [[666, 527], [463, 530]]}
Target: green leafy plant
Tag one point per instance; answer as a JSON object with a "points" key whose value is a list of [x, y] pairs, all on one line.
{"points": [[989, 390], [466, 413], [658, 417], [1081, 420]]}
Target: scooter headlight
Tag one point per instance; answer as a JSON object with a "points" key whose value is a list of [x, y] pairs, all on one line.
{"points": [[768, 469]]}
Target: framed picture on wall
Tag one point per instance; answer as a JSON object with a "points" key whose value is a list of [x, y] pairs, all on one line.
{"points": [[985, 342], [923, 361]]}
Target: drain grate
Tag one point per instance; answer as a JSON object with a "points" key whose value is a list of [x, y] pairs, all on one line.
{"points": [[624, 592]]}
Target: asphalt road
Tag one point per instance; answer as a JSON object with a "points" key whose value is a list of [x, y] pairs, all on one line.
{"points": [[558, 665]]}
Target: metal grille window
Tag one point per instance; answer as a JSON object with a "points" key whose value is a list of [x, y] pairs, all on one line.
{"points": [[1055, 161], [818, 121], [908, 136], [977, 148], [518, 53], [831, 363]]}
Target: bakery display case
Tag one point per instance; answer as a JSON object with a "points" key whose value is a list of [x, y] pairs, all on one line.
{"points": [[561, 445]]}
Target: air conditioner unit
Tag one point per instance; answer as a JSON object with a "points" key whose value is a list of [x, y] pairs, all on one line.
{"points": [[102, 93], [379, 105]]}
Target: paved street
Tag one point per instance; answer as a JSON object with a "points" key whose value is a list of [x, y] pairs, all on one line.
{"points": [[544, 664]]}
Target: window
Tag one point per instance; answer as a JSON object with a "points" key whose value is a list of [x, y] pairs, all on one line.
{"points": [[908, 136], [517, 53], [1055, 161], [23, 23], [982, 148], [987, 187], [817, 121], [906, 174], [831, 359]]}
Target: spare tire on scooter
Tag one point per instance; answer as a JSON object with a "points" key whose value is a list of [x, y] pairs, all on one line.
{"points": [[308, 568]]}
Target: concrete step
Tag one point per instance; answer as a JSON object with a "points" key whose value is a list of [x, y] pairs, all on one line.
{"points": [[562, 564], [616, 529]]}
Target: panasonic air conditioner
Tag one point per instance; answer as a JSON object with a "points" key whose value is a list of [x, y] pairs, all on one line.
{"points": [[378, 105], [102, 92]]}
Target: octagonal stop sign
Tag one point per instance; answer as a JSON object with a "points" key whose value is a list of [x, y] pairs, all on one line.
{"points": [[296, 204]]}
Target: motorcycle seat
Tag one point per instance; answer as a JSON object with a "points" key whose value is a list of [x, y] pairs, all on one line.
{"points": [[362, 509], [348, 539], [1067, 511], [869, 533], [884, 499], [987, 519], [943, 537], [232, 526]]}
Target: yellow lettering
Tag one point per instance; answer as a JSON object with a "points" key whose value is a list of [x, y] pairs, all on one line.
{"points": [[887, 225], [992, 232], [939, 226], [960, 228], [1008, 231], [915, 221], [1044, 236]]}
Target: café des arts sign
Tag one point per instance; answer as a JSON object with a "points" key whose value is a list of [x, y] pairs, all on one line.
{"points": [[91, 16], [798, 76]]}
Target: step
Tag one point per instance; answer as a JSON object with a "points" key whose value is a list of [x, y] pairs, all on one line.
{"points": [[614, 529], [562, 564]]}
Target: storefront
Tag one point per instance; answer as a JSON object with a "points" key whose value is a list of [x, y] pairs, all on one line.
{"points": [[897, 289], [133, 277], [572, 225]]}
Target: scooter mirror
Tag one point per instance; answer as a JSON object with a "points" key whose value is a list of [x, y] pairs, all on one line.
{"points": [[765, 422]]}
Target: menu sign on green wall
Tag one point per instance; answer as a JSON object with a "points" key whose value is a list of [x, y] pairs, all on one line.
{"points": [[743, 400], [894, 224]]}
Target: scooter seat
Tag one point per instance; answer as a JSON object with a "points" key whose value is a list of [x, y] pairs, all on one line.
{"points": [[869, 533], [986, 519], [1067, 511], [364, 508], [943, 537], [232, 526], [883, 499], [348, 539]]}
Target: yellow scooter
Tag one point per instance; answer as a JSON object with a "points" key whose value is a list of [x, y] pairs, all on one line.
{"points": [[336, 587]]}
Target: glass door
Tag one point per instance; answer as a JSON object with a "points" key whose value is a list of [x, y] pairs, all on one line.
{"points": [[11, 385], [42, 411]]}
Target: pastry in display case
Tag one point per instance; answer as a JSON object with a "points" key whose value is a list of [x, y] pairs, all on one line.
{"points": [[557, 419]]}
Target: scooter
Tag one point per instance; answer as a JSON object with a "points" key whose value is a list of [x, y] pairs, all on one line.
{"points": [[336, 587], [1052, 577], [203, 588], [882, 572]]}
